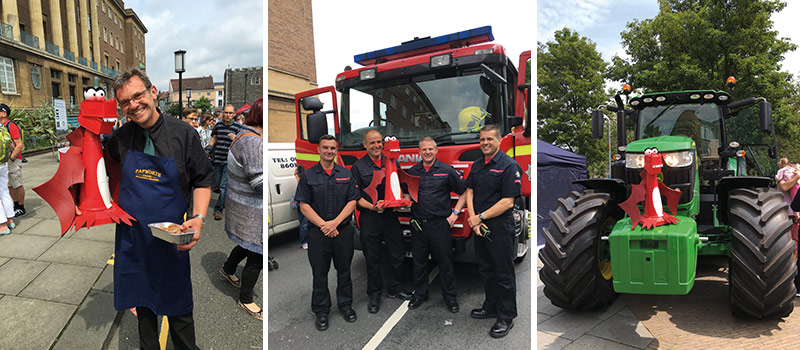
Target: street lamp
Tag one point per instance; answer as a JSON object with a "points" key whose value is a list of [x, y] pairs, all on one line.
{"points": [[180, 67], [188, 98]]}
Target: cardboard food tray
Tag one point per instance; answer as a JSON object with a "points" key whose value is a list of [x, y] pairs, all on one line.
{"points": [[181, 238]]}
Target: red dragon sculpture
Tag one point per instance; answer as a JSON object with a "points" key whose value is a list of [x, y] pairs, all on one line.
{"points": [[393, 197], [84, 164], [650, 191]]}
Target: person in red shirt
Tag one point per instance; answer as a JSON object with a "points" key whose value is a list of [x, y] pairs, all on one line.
{"points": [[14, 163]]}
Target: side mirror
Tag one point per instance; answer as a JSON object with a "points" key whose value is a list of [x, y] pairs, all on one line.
{"points": [[765, 116], [597, 124], [317, 125], [514, 121]]}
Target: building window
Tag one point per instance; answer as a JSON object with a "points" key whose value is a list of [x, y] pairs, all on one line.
{"points": [[105, 35], [219, 93], [103, 5], [105, 60], [72, 78], [88, 25], [36, 77], [54, 74], [255, 80], [122, 47], [8, 84]]}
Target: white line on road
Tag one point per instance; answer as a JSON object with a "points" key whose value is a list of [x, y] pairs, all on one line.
{"points": [[394, 319]]}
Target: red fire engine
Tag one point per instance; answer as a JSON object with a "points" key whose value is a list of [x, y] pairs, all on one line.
{"points": [[445, 87]]}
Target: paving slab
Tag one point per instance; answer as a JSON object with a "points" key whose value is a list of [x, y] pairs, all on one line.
{"points": [[106, 281], [623, 330], [27, 247], [62, 283], [569, 325], [3, 260], [543, 305], [540, 317], [23, 326], [89, 327], [547, 341], [79, 252], [588, 342], [44, 227], [43, 211], [24, 225], [103, 233], [16, 274]]}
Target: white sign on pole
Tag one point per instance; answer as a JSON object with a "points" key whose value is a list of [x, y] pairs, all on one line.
{"points": [[60, 107]]}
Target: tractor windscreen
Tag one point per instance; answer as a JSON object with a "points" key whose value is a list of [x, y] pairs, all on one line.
{"points": [[700, 122], [450, 109]]}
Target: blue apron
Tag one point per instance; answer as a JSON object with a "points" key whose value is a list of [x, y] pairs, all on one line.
{"points": [[148, 271]]}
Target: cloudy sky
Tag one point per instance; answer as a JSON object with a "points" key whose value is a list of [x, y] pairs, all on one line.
{"points": [[366, 27], [603, 20], [215, 35]]}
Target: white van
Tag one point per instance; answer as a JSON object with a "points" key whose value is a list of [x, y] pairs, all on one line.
{"points": [[281, 164]]}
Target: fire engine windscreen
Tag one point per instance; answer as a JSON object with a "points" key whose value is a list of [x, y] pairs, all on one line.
{"points": [[451, 110]]}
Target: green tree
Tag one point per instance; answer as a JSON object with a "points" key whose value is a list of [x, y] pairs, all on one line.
{"points": [[697, 44], [174, 110], [569, 85], [202, 104]]}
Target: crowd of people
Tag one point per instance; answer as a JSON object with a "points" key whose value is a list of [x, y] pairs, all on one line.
{"points": [[328, 194]]}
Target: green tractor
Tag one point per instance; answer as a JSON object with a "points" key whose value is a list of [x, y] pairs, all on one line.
{"points": [[722, 157]]}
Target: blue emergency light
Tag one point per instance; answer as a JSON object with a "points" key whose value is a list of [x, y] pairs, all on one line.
{"points": [[427, 45]]}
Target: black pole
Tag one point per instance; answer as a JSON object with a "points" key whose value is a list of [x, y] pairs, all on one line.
{"points": [[180, 94], [245, 89]]}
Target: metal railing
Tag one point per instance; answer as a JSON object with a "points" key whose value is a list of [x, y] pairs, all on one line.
{"points": [[94, 65], [69, 55], [109, 71], [52, 48], [6, 31], [29, 39], [82, 60]]}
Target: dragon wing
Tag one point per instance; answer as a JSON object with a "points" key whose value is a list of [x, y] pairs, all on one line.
{"points": [[57, 191], [411, 181], [630, 205], [372, 189], [673, 196]]}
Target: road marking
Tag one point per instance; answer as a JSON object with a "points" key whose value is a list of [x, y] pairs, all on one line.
{"points": [[394, 319], [162, 339]]}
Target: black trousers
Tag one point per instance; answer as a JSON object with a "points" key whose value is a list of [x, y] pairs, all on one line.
{"points": [[250, 272], [375, 228], [181, 330], [434, 239], [321, 250], [496, 266]]}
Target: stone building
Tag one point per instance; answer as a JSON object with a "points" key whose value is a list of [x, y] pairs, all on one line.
{"points": [[243, 86], [54, 49], [292, 66], [200, 87]]}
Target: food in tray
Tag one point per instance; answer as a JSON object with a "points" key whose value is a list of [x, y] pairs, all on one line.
{"points": [[174, 229]]}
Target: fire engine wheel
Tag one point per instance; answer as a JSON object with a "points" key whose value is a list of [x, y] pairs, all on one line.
{"points": [[574, 275], [761, 269]]}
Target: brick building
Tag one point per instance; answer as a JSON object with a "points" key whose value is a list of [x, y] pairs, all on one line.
{"points": [[54, 49], [243, 85], [292, 66], [201, 87]]}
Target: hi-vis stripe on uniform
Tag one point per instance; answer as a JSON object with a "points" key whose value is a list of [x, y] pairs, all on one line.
{"points": [[312, 157], [523, 150]]}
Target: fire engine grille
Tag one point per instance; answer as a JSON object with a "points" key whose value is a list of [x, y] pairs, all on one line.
{"points": [[678, 178]]}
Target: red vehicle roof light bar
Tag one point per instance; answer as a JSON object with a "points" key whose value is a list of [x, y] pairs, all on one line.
{"points": [[426, 45]]}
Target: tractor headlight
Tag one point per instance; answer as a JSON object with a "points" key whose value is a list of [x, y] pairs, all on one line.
{"points": [[634, 160], [678, 159]]}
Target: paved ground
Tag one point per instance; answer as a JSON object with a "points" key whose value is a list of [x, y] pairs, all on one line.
{"points": [[291, 322], [57, 292], [699, 320]]}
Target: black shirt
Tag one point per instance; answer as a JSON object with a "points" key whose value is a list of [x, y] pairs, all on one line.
{"points": [[327, 194], [362, 171], [435, 186], [490, 182], [194, 169]]}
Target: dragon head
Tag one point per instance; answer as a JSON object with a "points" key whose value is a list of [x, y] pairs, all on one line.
{"points": [[391, 147], [653, 161], [97, 114]]}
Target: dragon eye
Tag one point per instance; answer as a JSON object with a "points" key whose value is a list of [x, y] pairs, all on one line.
{"points": [[647, 151], [101, 93], [655, 150], [386, 139], [90, 92], [393, 138]]}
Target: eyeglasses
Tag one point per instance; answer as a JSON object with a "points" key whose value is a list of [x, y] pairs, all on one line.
{"points": [[136, 97], [228, 112]]}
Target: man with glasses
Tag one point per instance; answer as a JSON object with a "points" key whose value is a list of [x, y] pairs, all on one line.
{"points": [[221, 137], [152, 275]]}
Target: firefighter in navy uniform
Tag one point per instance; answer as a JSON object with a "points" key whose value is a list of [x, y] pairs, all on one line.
{"points": [[432, 218], [378, 225], [327, 195], [492, 185]]}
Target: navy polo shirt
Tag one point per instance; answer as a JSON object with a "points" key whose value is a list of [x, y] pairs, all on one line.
{"points": [[362, 171], [435, 186], [327, 194], [490, 182]]}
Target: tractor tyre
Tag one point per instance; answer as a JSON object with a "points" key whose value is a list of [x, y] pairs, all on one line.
{"points": [[573, 274], [761, 270]]}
